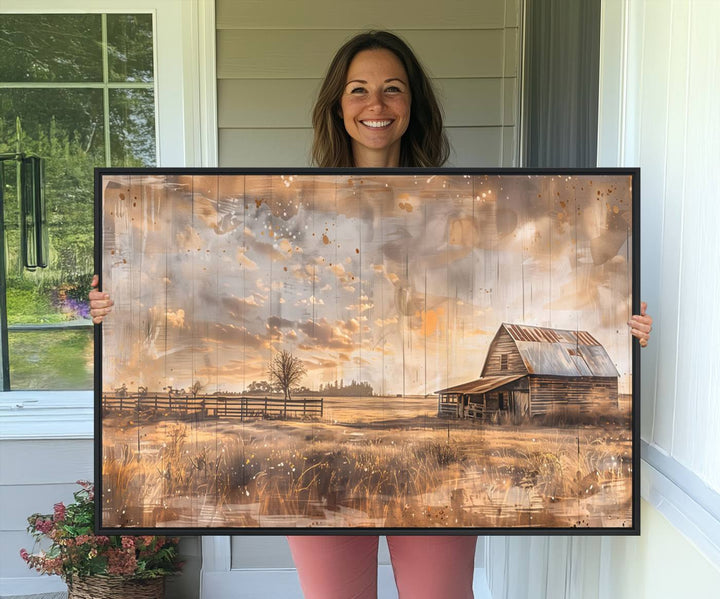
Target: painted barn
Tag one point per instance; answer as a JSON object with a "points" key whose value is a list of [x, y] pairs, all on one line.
{"points": [[530, 371]]}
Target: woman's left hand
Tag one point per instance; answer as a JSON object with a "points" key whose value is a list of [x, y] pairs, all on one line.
{"points": [[641, 325]]}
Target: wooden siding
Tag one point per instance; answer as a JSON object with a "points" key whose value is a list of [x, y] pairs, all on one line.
{"points": [[548, 393], [503, 344], [271, 58]]}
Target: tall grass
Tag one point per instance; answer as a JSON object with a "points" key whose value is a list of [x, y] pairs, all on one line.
{"points": [[308, 472]]}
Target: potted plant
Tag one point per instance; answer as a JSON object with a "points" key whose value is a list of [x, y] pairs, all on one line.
{"points": [[96, 566]]}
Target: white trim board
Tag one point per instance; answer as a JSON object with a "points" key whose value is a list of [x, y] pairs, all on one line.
{"points": [[688, 504], [46, 415]]}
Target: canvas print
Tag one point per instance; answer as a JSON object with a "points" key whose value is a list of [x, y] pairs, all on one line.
{"points": [[367, 351]]}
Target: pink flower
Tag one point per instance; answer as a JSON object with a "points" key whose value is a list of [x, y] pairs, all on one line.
{"points": [[43, 526], [121, 562], [24, 555], [128, 542], [59, 512]]}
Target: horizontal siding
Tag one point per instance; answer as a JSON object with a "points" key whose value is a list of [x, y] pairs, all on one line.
{"points": [[11, 565], [331, 14], [45, 462], [34, 475], [550, 393], [264, 147], [300, 54], [478, 146], [503, 344], [259, 103], [470, 146], [271, 58], [19, 501]]}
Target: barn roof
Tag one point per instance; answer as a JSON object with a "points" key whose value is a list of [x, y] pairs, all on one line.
{"points": [[482, 385], [560, 352]]}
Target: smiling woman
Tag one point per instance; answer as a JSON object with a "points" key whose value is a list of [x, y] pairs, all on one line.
{"points": [[375, 107], [376, 99]]}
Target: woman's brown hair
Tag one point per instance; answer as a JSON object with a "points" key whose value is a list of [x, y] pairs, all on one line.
{"points": [[423, 144]]}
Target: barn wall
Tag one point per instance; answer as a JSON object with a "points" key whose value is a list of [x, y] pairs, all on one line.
{"points": [[548, 393], [503, 344]]}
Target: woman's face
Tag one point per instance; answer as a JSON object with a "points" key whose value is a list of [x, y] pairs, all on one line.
{"points": [[375, 107]]}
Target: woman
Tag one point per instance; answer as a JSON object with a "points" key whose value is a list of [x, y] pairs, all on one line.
{"points": [[377, 108]]}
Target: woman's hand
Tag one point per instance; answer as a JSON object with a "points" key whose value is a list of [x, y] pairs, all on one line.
{"points": [[100, 303], [641, 325]]}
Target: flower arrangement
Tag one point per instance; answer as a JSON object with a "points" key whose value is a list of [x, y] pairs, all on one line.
{"points": [[76, 553]]}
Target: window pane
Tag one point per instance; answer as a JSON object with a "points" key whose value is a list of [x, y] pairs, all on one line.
{"points": [[132, 127], [65, 127], [49, 117], [53, 359], [50, 48], [130, 47]]}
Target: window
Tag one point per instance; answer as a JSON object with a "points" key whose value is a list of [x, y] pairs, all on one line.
{"points": [[503, 361], [77, 90]]}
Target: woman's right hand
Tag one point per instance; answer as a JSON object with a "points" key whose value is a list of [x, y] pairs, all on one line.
{"points": [[100, 303]]}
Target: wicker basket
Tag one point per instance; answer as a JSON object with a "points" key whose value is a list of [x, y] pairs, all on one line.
{"points": [[116, 587]]}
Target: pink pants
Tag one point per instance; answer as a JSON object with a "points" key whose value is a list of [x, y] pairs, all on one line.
{"points": [[345, 567]]}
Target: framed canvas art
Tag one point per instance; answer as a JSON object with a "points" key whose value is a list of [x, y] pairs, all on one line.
{"points": [[394, 351]]}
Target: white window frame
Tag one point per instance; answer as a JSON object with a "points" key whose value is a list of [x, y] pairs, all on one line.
{"points": [[186, 130]]}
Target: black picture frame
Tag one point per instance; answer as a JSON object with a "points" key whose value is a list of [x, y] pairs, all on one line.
{"points": [[216, 271]]}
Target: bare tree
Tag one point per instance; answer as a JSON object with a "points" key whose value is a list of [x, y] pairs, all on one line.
{"points": [[196, 388], [286, 370]]}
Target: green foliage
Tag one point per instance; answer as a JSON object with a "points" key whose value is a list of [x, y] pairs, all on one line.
{"points": [[76, 552], [52, 359]]}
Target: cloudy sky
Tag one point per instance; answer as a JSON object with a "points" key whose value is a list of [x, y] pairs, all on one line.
{"points": [[401, 281]]}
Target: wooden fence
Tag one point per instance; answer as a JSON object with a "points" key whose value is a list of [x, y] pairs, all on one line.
{"points": [[213, 406]]}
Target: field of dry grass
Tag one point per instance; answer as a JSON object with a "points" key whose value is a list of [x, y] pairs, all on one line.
{"points": [[388, 464]]}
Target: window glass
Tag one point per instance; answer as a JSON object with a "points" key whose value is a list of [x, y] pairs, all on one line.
{"points": [[36, 48], [130, 55], [50, 334], [55, 359], [132, 127]]}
